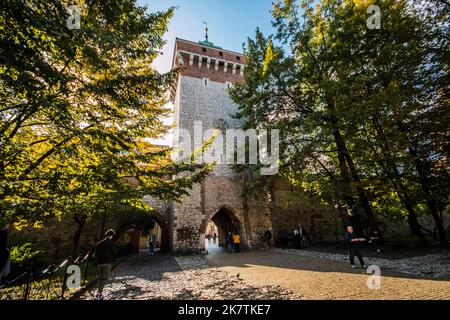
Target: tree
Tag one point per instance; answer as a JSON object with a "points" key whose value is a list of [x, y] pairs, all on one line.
{"points": [[76, 107], [351, 102]]}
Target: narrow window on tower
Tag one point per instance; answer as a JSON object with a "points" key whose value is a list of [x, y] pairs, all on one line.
{"points": [[206, 82]]}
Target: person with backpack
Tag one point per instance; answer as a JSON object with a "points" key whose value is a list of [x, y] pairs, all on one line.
{"points": [[104, 257]]}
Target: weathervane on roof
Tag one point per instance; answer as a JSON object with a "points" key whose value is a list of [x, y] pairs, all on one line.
{"points": [[206, 41], [206, 31]]}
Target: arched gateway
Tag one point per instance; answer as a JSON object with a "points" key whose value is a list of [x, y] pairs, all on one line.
{"points": [[226, 221]]}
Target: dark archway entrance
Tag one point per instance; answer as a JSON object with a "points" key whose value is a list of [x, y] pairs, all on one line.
{"points": [[225, 221], [139, 240]]}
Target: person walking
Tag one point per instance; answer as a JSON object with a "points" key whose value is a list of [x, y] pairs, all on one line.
{"points": [[214, 238], [268, 238], [104, 257], [353, 247], [151, 244], [4, 255], [229, 242], [237, 242]]}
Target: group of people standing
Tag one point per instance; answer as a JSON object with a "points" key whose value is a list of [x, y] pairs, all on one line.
{"points": [[212, 237], [233, 242], [295, 239]]}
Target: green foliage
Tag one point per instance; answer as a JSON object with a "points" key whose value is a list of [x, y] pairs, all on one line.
{"points": [[23, 254], [363, 114], [76, 107]]}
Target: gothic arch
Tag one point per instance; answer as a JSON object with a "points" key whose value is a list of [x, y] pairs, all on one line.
{"points": [[226, 220], [165, 244]]}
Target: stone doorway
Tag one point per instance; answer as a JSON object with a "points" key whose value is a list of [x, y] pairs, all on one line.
{"points": [[224, 221]]}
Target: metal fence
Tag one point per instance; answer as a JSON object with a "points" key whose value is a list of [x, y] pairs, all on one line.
{"points": [[47, 283]]}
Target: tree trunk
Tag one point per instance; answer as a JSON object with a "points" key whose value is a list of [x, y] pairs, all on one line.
{"points": [[392, 173], [76, 238], [347, 162], [429, 199]]}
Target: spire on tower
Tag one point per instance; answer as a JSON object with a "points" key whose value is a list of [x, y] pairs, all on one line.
{"points": [[206, 31], [206, 42]]}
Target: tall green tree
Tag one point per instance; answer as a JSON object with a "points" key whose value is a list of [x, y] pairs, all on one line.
{"points": [[352, 103], [76, 105]]}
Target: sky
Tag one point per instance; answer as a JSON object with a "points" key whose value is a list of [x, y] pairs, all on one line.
{"points": [[230, 23]]}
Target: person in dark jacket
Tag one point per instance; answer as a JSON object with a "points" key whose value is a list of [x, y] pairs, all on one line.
{"points": [[268, 238], [104, 257], [4, 255], [353, 246], [284, 238], [229, 242]]}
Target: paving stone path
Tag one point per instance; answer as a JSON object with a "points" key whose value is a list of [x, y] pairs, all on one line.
{"points": [[435, 265], [165, 277], [264, 274], [317, 276]]}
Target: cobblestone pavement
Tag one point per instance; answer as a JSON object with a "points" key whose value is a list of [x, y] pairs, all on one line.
{"points": [[265, 274], [320, 276], [436, 265], [162, 276]]}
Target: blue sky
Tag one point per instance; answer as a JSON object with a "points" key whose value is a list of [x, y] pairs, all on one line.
{"points": [[230, 23]]}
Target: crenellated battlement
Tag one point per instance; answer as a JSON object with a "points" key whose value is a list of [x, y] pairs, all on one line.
{"points": [[203, 60]]}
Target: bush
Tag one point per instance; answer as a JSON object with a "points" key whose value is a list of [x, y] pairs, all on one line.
{"points": [[23, 254]]}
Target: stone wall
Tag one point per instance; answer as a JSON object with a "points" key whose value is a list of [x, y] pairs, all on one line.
{"points": [[223, 189], [290, 207]]}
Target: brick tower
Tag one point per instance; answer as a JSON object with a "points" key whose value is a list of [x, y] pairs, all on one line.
{"points": [[201, 94]]}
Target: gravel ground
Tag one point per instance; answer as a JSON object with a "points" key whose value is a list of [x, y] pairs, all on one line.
{"points": [[434, 265], [163, 276]]}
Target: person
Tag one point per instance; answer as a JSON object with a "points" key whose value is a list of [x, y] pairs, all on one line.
{"points": [[237, 242], [104, 257], [353, 247], [302, 234], [4, 255], [297, 239], [283, 235], [268, 238], [375, 241], [214, 238], [209, 239], [229, 242], [151, 244]]}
